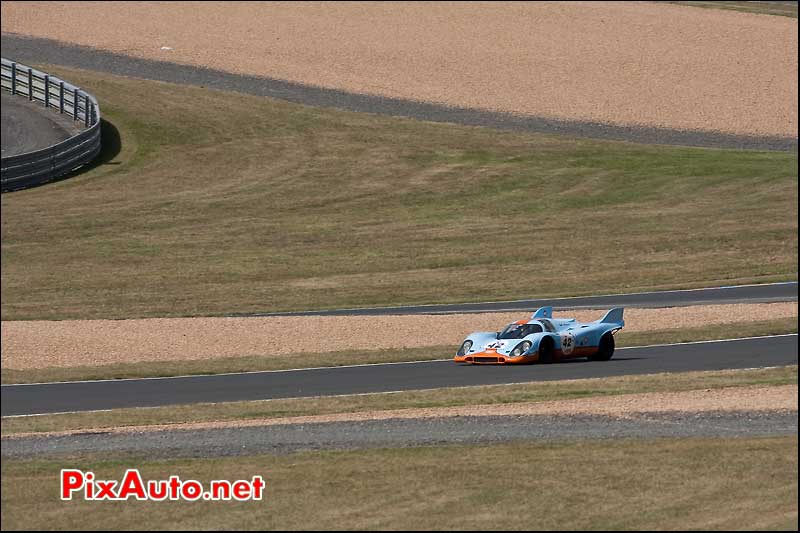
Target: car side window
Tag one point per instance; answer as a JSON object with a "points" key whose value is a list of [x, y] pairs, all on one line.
{"points": [[535, 328], [548, 325]]}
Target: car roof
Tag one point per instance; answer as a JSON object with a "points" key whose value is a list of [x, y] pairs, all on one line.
{"points": [[523, 322]]}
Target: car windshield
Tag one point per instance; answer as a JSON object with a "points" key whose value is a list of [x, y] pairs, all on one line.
{"points": [[518, 331]]}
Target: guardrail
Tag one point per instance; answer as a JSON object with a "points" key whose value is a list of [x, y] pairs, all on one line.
{"points": [[34, 168]]}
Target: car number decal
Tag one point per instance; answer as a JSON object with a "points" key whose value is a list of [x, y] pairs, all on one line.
{"points": [[567, 343]]}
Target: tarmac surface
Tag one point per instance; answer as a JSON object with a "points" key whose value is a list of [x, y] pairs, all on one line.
{"points": [[756, 352], [37, 51], [766, 293], [27, 126]]}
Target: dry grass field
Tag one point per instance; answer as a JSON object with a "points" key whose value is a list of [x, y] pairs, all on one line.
{"points": [[220, 202], [714, 483], [206, 203]]}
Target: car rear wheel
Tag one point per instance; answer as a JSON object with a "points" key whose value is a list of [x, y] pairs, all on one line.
{"points": [[546, 349], [605, 350]]}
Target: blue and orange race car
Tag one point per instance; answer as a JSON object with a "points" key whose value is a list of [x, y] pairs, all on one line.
{"points": [[544, 339]]}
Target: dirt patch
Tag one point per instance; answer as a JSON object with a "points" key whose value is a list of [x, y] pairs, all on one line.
{"points": [[43, 344], [625, 63], [744, 399]]}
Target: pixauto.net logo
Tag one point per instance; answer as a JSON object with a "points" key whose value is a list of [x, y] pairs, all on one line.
{"points": [[85, 485]]}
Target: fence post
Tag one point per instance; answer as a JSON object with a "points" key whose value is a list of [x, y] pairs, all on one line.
{"points": [[60, 160], [75, 104]]}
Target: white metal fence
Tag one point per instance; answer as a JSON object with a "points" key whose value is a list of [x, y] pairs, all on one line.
{"points": [[34, 168]]}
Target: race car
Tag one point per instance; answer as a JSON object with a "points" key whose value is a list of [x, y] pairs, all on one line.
{"points": [[543, 339]]}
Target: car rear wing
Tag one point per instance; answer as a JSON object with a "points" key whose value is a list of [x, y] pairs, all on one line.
{"points": [[543, 312], [614, 316]]}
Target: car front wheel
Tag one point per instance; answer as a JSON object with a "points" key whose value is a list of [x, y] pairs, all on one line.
{"points": [[546, 349]]}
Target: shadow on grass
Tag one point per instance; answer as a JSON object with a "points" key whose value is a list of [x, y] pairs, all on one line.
{"points": [[110, 147]]}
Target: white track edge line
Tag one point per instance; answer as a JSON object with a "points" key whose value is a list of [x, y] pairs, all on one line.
{"points": [[375, 393], [362, 365]]}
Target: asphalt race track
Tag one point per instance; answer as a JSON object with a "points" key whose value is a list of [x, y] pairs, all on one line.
{"points": [[28, 126], [773, 292], [35, 51], [96, 395]]}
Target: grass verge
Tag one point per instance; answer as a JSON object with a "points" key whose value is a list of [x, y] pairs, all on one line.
{"points": [[355, 357], [683, 484], [494, 394], [221, 202]]}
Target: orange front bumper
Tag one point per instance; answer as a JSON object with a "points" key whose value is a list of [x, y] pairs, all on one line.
{"points": [[491, 357]]}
